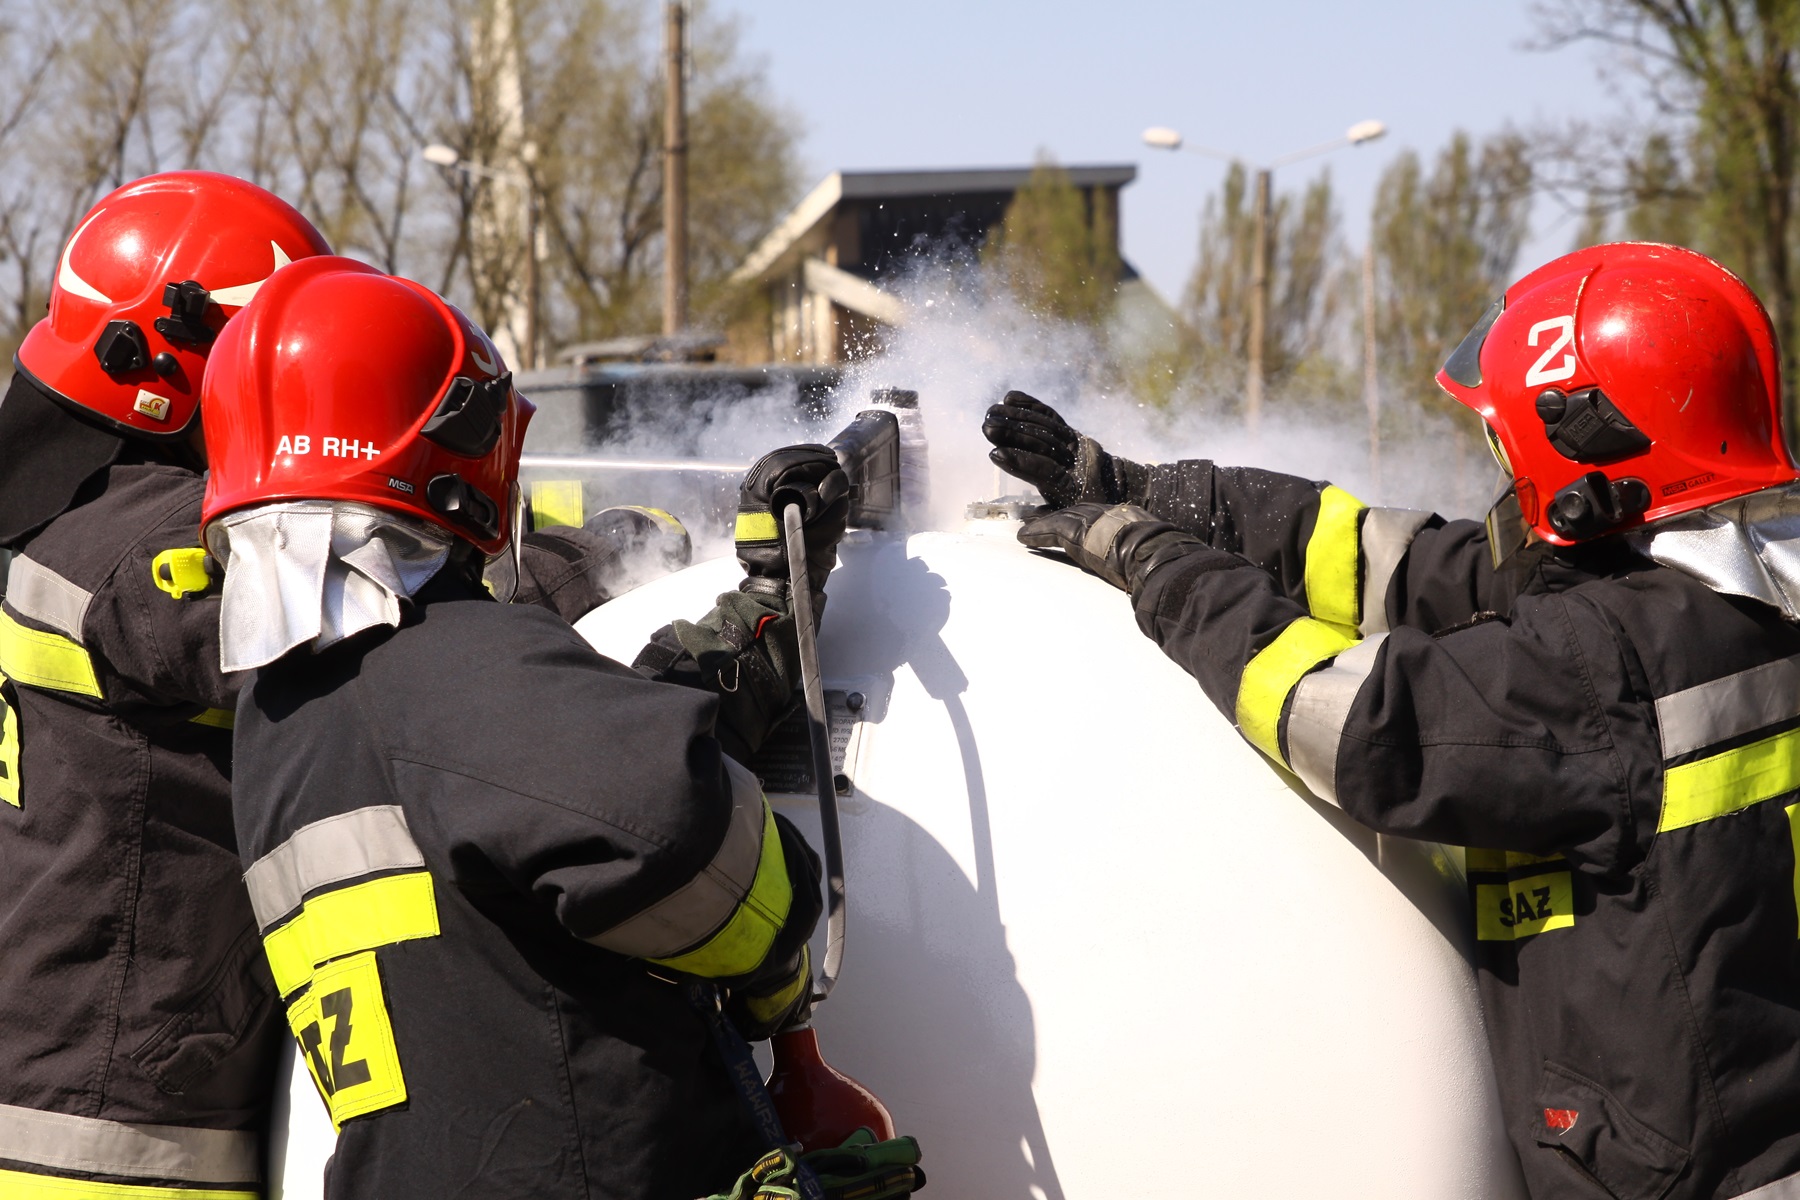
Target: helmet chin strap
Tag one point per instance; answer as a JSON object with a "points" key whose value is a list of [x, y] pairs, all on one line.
{"points": [[1508, 531], [516, 543]]}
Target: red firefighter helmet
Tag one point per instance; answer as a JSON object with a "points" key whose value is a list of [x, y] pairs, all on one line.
{"points": [[1624, 383], [144, 284], [338, 382]]}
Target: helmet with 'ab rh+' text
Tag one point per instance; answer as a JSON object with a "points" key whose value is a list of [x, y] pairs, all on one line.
{"points": [[341, 383], [1623, 384], [145, 283]]}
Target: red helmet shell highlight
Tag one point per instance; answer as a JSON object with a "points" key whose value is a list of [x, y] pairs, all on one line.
{"points": [[1640, 361], [338, 382], [125, 340]]}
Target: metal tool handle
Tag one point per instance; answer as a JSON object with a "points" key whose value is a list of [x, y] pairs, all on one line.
{"points": [[807, 629]]}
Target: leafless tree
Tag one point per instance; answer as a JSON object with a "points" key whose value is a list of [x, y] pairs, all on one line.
{"points": [[1720, 164], [328, 103]]}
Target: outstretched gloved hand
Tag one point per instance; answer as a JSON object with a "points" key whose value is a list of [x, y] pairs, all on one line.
{"points": [[1033, 443], [1122, 544], [806, 475]]}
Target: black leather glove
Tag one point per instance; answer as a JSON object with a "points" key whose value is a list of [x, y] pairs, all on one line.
{"points": [[1033, 443], [1122, 544], [745, 651], [806, 475], [762, 1011]]}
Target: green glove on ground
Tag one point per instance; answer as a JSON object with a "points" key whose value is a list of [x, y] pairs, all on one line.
{"points": [[865, 1169], [860, 1169]]}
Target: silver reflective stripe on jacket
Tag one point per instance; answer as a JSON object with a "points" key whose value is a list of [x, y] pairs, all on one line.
{"points": [[1318, 711], [337, 848], [165, 1152], [707, 901], [37, 592], [1726, 708], [1785, 1188], [1387, 534]]}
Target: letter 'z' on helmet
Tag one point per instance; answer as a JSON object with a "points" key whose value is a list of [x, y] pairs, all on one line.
{"points": [[145, 283], [1624, 383], [338, 382]]}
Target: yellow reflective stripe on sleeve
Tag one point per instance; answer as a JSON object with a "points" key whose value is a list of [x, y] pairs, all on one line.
{"points": [[218, 718], [45, 660], [397, 908], [17, 1185], [744, 941], [766, 1008], [1521, 908], [757, 527], [347, 1039], [557, 502], [1274, 672], [1793, 816], [1333, 555], [180, 572], [9, 750], [1729, 782]]}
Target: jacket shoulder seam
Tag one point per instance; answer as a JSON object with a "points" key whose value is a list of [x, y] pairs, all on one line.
{"points": [[586, 813]]}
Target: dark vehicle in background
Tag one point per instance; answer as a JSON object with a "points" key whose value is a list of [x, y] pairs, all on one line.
{"points": [[649, 433]]}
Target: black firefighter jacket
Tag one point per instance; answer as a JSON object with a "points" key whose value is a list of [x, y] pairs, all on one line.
{"points": [[1619, 747], [482, 856], [138, 1021]]}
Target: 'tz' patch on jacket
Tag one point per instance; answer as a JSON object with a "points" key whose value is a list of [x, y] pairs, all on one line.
{"points": [[341, 1022]]}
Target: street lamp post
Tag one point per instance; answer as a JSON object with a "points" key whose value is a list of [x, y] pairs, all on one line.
{"points": [[1163, 138], [448, 157]]}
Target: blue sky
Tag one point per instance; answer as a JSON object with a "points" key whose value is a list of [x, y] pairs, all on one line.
{"points": [[931, 83]]}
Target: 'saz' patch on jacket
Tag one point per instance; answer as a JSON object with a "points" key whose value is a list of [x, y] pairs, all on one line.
{"points": [[1522, 905]]}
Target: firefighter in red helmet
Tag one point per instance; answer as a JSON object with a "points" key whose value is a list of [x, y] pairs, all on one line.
{"points": [[1598, 693], [483, 859], [137, 1023]]}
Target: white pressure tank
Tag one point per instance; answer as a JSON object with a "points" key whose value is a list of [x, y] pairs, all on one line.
{"points": [[1098, 946]]}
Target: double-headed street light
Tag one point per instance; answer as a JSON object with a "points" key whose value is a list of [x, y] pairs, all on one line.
{"points": [[448, 157], [1162, 138]]}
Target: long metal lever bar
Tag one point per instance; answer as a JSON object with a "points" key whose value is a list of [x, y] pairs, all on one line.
{"points": [[806, 627]]}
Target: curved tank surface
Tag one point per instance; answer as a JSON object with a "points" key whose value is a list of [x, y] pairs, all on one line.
{"points": [[1097, 945]]}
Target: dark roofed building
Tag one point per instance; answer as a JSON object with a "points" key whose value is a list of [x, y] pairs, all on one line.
{"points": [[820, 281]]}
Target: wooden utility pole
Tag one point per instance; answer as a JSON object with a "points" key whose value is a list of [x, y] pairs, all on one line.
{"points": [[1371, 385], [1259, 303], [675, 229]]}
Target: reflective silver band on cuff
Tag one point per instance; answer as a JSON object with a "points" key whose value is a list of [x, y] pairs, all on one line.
{"points": [[700, 906], [37, 592], [1387, 534], [1785, 1188], [164, 1152], [1321, 705], [1726, 708], [346, 846]]}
